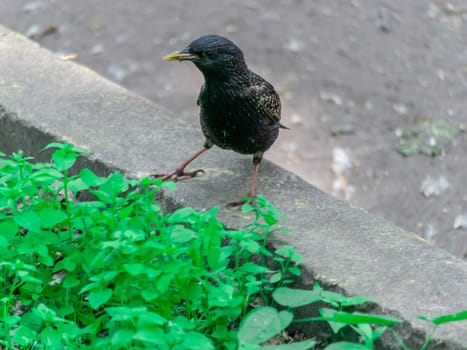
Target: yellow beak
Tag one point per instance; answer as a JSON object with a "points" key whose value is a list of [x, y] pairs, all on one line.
{"points": [[179, 56]]}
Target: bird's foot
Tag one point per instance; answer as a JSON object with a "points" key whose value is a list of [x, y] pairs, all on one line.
{"points": [[245, 200], [177, 174]]}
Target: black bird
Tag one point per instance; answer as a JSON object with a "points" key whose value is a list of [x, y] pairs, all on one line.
{"points": [[239, 110]]}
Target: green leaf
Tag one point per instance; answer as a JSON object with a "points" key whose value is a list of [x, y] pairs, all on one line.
{"points": [[408, 148], [296, 297], [88, 287], [44, 312], [378, 332], [56, 145], [64, 160], [289, 252], [27, 277], [184, 323], [70, 262], [251, 246], [149, 317], [259, 325], [43, 252], [51, 338], [31, 320], [197, 341], [335, 326], [118, 181], [133, 235], [77, 185], [253, 268], [459, 316], [71, 331], [46, 175], [150, 294], [134, 269], [270, 219], [153, 336], [214, 252], [180, 234], [66, 310], [3, 245], [50, 217], [247, 207], [70, 281], [332, 297], [24, 336], [9, 229], [221, 295], [124, 313], [356, 318], [122, 337], [302, 345], [296, 271], [79, 150], [352, 301], [365, 330], [28, 220], [342, 129], [102, 196], [125, 212], [10, 320], [99, 297], [221, 331], [286, 318], [344, 345], [193, 291], [181, 215], [443, 129], [276, 277], [90, 178]]}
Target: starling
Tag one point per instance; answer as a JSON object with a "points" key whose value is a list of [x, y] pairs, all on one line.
{"points": [[239, 110]]}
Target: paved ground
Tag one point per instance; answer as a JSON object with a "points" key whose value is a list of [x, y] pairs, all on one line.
{"points": [[356, 79]]}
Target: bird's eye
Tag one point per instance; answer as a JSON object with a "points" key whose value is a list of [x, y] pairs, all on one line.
{"points": [[209, 54]]}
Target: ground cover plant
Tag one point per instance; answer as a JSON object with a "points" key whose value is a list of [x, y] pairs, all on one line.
{"points": [[116, 272]]}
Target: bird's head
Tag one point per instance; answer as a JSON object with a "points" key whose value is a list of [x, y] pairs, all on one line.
{"points": [[214, 55]]}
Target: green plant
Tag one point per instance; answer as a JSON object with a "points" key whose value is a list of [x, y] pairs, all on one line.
{"points": [[342, 315], [117, 272], [436, 322], [428, 137]]}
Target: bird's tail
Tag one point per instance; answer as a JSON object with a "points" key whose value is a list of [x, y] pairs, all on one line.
{"points": [[282, 126]]}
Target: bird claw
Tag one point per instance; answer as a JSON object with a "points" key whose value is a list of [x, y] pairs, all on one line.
{"points": [[245, 200], [235, 204], [177, 174], [194, 173]]}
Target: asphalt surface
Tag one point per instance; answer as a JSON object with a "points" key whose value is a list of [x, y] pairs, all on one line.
{"points": [[356, 79]]}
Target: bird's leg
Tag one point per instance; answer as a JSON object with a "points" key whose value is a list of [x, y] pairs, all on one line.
{"points": [[180, 170], [252, 192]]}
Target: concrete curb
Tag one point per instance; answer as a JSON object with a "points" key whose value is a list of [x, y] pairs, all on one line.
{"points": [[43, 98]]}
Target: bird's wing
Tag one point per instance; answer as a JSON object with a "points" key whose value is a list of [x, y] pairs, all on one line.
{"points": [[268, 99], [272, 106]]}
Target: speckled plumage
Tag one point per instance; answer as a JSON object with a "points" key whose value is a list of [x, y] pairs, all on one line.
{"points": [[239, 110], [239, 115]]}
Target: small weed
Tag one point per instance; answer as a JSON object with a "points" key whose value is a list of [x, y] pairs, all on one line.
{"points": [[430, 138]]}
